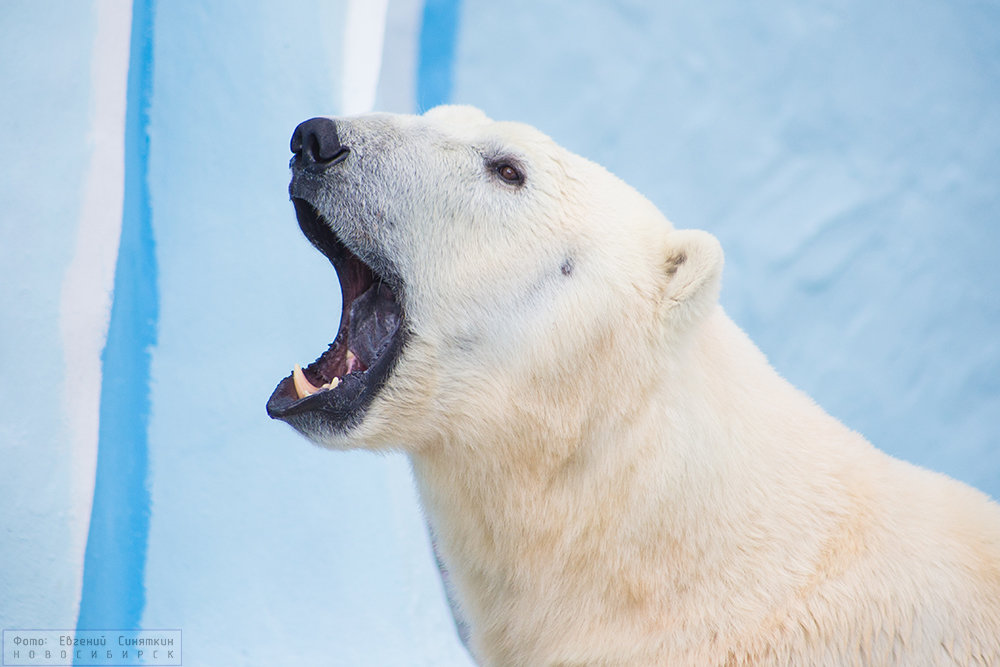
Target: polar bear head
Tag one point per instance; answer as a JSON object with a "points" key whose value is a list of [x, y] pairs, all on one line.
{"points": [[492, 282]]}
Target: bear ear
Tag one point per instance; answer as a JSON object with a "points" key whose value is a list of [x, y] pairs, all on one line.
{"points": [[692, 272]]}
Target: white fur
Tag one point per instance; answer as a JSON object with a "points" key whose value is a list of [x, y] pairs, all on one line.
{"points": [[614, 472]]}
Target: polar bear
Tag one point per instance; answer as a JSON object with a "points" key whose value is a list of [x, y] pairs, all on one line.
{"points": [[614, 473]]}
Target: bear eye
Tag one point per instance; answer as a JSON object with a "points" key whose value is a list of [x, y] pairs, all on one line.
{"points": [[509, 173]]}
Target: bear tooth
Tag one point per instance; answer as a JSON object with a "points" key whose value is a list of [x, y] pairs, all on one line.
{"points": [[303, 387], [352, 361], [332, 384]]}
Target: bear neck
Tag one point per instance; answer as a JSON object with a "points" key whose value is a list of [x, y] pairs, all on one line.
{"points": [[511, 525]]}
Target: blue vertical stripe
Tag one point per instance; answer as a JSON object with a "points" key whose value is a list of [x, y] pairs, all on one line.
{"points": [[438, 33], [113, 595]]}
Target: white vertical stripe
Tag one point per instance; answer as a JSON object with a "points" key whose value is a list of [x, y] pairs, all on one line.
{"points": [[86, 291], [397, 80], [364, 32]]}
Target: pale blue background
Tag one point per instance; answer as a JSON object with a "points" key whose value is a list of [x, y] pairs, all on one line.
{"points": [[847, 154]]}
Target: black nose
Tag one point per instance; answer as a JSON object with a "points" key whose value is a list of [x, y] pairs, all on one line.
{"points": [[316, 142]]}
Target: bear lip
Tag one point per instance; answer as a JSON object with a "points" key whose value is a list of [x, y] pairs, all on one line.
{"points": [[361, 356]]}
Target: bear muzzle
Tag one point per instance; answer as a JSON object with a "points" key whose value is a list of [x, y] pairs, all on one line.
{"points": [[334, 391]]}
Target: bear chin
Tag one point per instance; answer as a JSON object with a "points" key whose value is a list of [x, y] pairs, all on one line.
{"points": [[333, 393]]}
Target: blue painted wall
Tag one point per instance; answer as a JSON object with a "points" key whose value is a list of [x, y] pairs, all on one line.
{"points": [[113, 590], [43, 140]]}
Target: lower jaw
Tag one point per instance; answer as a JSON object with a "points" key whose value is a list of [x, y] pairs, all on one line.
{"points": [[337, 410]]}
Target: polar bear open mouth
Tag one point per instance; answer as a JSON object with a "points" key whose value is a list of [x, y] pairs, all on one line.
{"points": [[341, 383]]}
